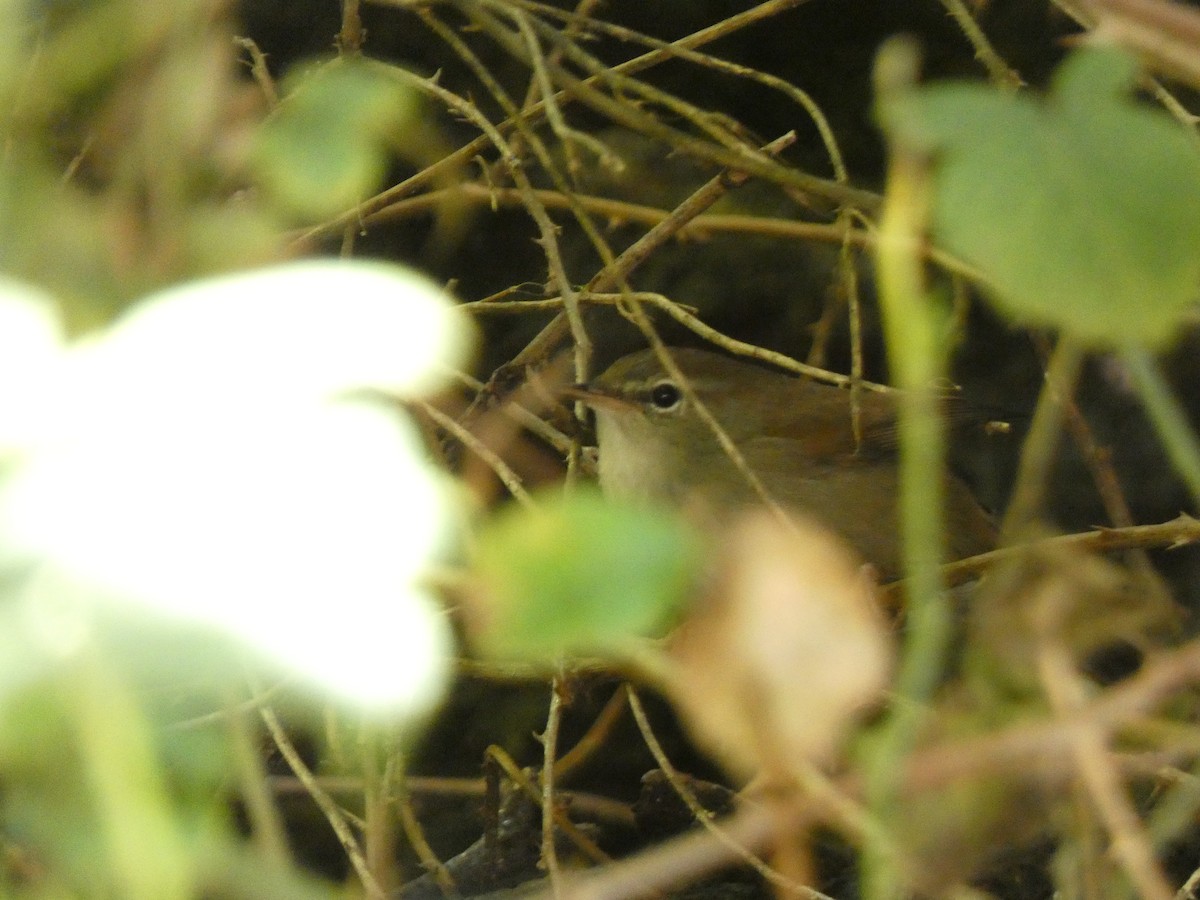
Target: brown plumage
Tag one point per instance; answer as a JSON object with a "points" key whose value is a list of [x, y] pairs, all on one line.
{"points": [[794, 433]]}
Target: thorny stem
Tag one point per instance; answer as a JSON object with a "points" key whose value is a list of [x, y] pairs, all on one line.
{"points": [[469, 151], [549, 739], [1039, 450], [702, 815]]}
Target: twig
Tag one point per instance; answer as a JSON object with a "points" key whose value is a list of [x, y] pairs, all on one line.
{"points": [[217, 716], [1107, 17], [623, 211], [708, 194], [504, 472], [549, 740], [467, 152], [379, 826], [266, 823], [998, 70], [753, 828], [847, 264], [740, 348], [740, 159], [332, 812], [1021, 745], [680, 861], [350, 37], [259, 71], [1180, 531], [1038, 451], [703, 816], [1098, 460], [1130, 843], [789, 90], [614, 274], [349, 44], [1167, 34], [593, 739], [521, 415], [721, 129], [415, 835], [561, 822], [581, 13], [1189, 887], [567, 135], [593, 805], [547, 230]]}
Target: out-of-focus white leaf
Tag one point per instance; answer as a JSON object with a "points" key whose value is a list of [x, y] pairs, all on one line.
{"points": [[30, 358], [200, 461], [302, 538], [287, 334]]}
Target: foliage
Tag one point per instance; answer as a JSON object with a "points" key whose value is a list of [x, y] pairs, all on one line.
{"points": [[1077, 208], [137, 172], [580, 575]]}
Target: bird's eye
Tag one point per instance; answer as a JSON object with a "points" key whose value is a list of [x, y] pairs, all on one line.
{"points": [[665, 396]]}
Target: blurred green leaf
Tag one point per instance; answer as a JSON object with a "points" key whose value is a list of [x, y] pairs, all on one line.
{"points": [[326, 147], [92, 42], [1079, 208], [580, 574]]}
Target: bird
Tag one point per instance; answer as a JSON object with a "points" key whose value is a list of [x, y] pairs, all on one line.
{"points": [[795, 434]]}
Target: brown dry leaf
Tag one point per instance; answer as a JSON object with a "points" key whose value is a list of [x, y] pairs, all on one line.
{"points": [[786, 650]]}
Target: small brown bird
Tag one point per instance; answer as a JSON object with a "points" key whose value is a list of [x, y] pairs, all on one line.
{"points": [[795, 434]]}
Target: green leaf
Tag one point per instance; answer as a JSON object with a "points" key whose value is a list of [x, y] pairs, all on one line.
{"points": [[1081, 209], [580, 574], [327, 146]]}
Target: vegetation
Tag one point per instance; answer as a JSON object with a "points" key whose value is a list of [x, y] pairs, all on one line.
{"points": [[988, 207]]}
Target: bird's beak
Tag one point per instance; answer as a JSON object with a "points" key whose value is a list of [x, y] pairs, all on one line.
{"points": [[596, 396]]}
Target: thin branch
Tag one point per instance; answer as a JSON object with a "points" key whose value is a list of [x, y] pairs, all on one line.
{"points": [[266, 823], [703, 816], [739, 348], [594, 738], [259, 70], [463, 155], [1130, 842], [721, 129], [519, 414], [738, 158], [547, 230], [350, 37], [705, 60], [549, 740], [333, 813], [701, 199], [998, 70], [379, 825], [569, 136], [615, 274], [1181, 531], [415, 835], [622, 212], [1017, 747], [561, 822], [510, 479], [1039, 450]]}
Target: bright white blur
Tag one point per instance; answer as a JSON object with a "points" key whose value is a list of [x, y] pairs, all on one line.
{"points": [[200, 460]]}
